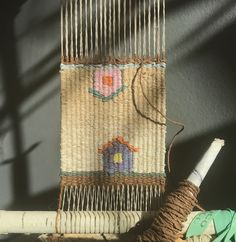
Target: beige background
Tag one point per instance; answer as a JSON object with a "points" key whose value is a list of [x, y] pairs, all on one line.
{"points": [[88, 123]]}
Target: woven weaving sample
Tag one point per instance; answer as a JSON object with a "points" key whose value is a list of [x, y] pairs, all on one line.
{"points": [[113, 105], [107, 141]]}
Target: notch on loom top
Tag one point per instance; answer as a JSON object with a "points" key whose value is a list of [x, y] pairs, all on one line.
{"points": [[112, 31]]}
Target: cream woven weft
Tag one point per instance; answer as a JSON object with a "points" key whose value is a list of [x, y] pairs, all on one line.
{"points": [[113, 105]]}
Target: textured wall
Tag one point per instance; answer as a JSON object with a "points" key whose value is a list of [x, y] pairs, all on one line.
{"points": [[201, 91], [201, 70], [29, 104]]}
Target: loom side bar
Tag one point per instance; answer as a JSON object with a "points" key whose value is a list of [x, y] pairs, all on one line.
{"points": [[27, 222]]}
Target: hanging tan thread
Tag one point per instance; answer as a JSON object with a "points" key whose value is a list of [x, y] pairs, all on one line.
{"points": [[181, 125]]}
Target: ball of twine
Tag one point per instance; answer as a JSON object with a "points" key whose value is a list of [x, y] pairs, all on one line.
{"points": [[169, 223]]}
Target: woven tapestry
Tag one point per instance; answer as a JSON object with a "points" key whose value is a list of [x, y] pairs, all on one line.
{"points": [[112, 105]]}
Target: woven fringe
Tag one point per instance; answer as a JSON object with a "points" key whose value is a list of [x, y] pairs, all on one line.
{"points": [[105, 29], [111, 198]]}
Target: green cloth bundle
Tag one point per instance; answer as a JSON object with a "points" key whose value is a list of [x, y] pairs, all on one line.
{"points": [[224, 223]]}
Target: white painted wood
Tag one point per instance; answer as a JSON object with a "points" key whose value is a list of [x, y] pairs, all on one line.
{"points": [[201, 169], [85, 222]]}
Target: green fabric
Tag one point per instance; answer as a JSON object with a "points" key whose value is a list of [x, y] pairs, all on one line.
{"points": [[224, 223], [200, 223]]}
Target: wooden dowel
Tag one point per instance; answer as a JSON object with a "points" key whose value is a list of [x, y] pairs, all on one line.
{"points": [[27, 222]]}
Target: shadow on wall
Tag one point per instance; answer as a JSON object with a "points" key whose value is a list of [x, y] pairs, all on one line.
{"points": [[221, 47], [174, 5], [15, 94], [214, 32], [217, 189]]}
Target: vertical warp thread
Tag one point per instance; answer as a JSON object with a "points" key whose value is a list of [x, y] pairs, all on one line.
{"points": [[158, 116], [86, 27], [105, 28], [62, 32], [76, 30], [135, 30], [119, 33], [154, 28], [109, 2], [77, 18], [101, 28], [71, 111], [71, 32], [66, 29], [149, 28], [158, 29], [71, 119], [114, 28], [144, 28], [163, 33], [65, 84], [91, 28], [125, 51], [81, 28], [140, 30], [96, 26], [130, 29], [78, 115], [110, 198]]}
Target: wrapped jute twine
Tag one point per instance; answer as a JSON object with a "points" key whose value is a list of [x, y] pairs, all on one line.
{"points": [[169, 223]]}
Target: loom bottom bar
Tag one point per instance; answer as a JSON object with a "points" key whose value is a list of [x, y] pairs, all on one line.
{"points": [[83, 222], [109, 237]]}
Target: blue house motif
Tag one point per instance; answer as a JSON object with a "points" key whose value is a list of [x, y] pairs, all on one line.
{"points": [[118, 156]]}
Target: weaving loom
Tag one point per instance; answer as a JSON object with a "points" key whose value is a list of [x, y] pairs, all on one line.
{"points": [[112, 139], [113, 120]]}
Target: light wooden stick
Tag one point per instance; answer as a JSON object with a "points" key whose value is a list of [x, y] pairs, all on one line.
{"points": [[84, 222], [200, 171]]}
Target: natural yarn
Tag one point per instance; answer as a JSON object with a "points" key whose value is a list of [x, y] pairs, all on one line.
{"points": [[112, 139], [109, 151], [177, 206], [113, 106]]}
